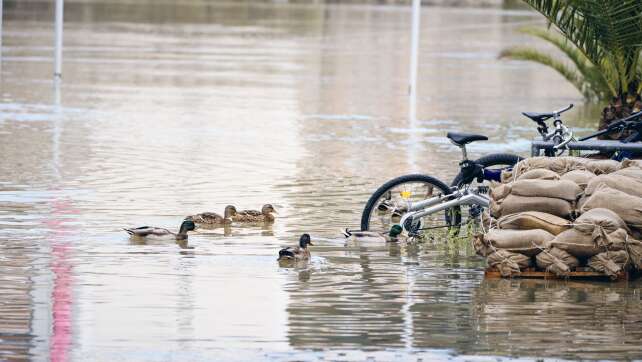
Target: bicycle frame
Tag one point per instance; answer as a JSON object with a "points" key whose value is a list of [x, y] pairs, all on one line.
{"points": [[460, 197]]}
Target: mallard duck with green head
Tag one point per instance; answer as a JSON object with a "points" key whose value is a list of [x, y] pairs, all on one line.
{"points": [[296, 253], [213, 219], [162, 233], [255, 216], [394, 236]]}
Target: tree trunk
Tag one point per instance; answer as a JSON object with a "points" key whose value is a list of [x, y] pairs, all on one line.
{"points": [[619, 107]]}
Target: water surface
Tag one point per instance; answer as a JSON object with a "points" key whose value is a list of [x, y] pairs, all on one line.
{"points": [[172, 109]]}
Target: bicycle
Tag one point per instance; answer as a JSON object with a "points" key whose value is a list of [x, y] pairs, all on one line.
{"points": [[420, 202]]}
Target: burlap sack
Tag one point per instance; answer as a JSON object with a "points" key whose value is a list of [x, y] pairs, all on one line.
{"points": [[600, 167], [527, 242], [513, 204], [559, 165], [632, 172], [580, 177], [619, 182], [539, 174], [634, 248], [631, 163], [565, 190], [499, 191], [482, 246], [556, 261], [583, 245], [628, 207], [610, 263], [590, 221], [508, 263], [529, 220], [506, 176]]}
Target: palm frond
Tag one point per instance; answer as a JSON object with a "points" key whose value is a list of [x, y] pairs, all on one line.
{"points": [[534, 55]]}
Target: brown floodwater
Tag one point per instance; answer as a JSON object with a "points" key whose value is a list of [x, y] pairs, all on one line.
{"points": [[172, 108]]}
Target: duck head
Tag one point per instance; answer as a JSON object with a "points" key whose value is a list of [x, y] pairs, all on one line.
{"points": [[268, 209], [187, 225], [229, 211], [395, 231], [304, 241]]}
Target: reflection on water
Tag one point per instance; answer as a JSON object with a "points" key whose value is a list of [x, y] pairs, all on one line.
{"points": [[174, 109]]}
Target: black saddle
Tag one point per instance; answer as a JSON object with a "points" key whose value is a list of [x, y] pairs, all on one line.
{"points": [[461, 139], [538, 117]]}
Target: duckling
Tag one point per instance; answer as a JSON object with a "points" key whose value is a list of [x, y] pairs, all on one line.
{"points": [[213, 219], [371, 236], [155, 232], [252, 216], [297, 253]]}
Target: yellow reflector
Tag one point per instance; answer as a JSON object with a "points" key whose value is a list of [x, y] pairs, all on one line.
{"points": [[406, 194]]}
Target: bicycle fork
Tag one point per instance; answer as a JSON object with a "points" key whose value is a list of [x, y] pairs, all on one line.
{"points": [[436, 204]]}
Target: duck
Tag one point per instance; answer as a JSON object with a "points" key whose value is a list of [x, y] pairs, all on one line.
{"points": [[372, 236], [297, 253], [156, 232], [214, 219], [253, 216]]}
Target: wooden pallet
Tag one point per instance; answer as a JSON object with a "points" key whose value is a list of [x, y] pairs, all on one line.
{"points": [[581, 273]]}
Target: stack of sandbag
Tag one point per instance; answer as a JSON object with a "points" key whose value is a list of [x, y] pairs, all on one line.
{"points": [[558, 214]]}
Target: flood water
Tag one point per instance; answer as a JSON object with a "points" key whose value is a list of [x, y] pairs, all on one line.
{"points": [[168, 109]]}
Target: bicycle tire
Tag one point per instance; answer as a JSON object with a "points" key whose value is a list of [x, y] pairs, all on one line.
{"points": [[367, 210]]}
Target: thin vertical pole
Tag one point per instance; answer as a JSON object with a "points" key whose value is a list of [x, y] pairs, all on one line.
{"points": [[58, 45], [414, 59], [1, 1]]}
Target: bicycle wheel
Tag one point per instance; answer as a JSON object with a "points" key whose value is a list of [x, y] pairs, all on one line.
{"points": [[388, 203], [492, 163]]}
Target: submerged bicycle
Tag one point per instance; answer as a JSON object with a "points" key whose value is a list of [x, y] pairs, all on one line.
{"points": [[426, 207]]}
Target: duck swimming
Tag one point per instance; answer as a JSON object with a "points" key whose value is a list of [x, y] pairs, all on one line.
{"points": [[156, 232], [297, 253], [253, 216], [371, 236], [214, 219]]}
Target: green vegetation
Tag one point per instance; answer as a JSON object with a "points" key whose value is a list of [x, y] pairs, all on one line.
{"points": [[601, 41]]}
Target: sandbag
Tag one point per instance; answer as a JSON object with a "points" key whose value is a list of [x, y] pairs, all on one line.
{"points": [[631, 163], [600, 167], [622, 183], [506, 176], [628, 207], [580, 177], [513, 204], [539, 174], [529, 220], [634, 248], [606, 219], [565, 190], [632, 172], [583, 245], [610, 263], [559, 165], [556, 261], [482, 246], [500, 191], [508, 263], [527, 242]]}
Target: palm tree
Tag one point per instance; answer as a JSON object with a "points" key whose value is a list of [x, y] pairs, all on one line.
{"points": [[601, 40]]}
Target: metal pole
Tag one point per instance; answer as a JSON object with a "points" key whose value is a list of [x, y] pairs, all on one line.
{"points": [[1, 1], [58, 44], [414, 59]]}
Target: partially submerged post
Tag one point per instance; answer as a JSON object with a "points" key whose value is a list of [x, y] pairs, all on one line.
{"points": [[414, 57], [58, 40], [1, 1]]}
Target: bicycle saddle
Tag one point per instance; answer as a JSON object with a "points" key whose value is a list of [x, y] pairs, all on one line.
{"points": [[461, 139], [538, 117]]}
